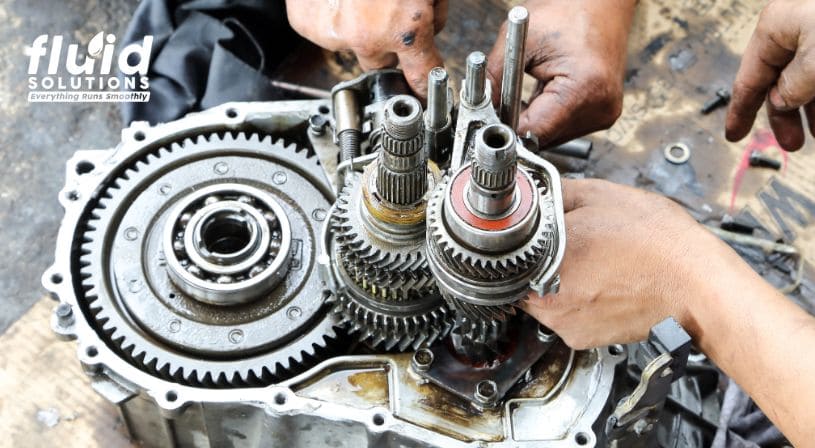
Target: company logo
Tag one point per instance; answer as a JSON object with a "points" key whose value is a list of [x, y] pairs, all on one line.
{"points": [[88, 76]]}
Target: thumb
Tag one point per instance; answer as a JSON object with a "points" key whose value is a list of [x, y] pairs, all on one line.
{"points": [[794, 87], [549, 113], [495, 66]]}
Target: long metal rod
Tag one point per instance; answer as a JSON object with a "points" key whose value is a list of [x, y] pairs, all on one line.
{"points": [[517, 26], [436, 98], [300, 89], [475, 83]]}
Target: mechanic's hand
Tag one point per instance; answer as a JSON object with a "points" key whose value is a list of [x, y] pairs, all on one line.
{"points": [[779, 66], [632, 259], [381, 33], [576, 49]]}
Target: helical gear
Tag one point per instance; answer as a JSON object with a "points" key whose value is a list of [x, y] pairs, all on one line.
{"points": [[390, 272]]}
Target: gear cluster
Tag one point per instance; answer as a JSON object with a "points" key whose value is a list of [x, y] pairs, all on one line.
{"points": [[386, 293]]}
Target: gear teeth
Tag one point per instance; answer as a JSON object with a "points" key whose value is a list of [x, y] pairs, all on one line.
{"points": [[469, 264], [391, 332], [217, 374]]}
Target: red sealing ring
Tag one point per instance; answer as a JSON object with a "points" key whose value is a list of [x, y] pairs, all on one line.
{"points": [[457, 193]]}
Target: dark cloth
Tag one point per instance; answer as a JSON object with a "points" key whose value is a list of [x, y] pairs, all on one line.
{"points": [[743, 425], [208, 52]]}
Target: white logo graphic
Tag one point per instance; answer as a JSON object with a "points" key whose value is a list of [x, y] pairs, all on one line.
{"points": [[90, 77]]}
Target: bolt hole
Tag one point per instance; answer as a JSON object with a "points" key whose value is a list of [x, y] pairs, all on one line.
{"points": [[139, 136], [231, 113], [172, 295], [280, 399], [72, 195], [581, 438], [615, 350], [92, 351], [84, 167], [56, 279], [379, 419], [171, 396], [402, 108], [323, 110]]}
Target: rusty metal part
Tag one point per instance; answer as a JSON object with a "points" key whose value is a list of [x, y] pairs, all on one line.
{"points": [[467, 377]]}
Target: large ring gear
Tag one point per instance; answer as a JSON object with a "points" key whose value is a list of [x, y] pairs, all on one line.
{"points": [[181, 254]]}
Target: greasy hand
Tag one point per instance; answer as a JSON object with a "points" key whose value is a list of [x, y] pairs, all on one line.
{"points": [[576, 49], [381, 33], [632, 259], [778, 66]]}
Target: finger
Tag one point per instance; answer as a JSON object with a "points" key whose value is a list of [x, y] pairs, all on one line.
{"points": [[787, 127], [495, 64], [809, 110], [553, 115], [419, 55], [762, 61], [374, 61], [795, 86], [439, 15], [573, 193]]}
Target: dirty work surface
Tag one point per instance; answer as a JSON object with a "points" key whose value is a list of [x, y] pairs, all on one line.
{"points": [[37, 138], [680, 52]]}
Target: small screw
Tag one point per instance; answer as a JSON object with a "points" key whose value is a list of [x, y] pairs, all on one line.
{"points": [[317, 124], [759, 160], [422, 360], [721, 99]]}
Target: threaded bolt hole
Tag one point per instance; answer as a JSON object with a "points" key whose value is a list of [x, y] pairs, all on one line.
{"points": [[84, 167], [581, 438], [280, 398], [91, 351], [171, 396], [231, 113], [139, 136], [323, 110], [379, 419], [56, 279]]}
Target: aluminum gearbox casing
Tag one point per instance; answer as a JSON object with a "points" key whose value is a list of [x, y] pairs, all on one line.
{"points": [[221, 295]]}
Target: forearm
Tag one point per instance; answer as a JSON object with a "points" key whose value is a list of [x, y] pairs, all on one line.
{"points": [[760, 339]]}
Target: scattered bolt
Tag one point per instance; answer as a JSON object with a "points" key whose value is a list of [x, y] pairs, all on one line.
{"points": [[759, 160], [721, 99]]}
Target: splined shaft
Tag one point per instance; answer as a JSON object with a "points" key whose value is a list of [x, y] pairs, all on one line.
{"points": [[402, 175], [494, 166]]}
